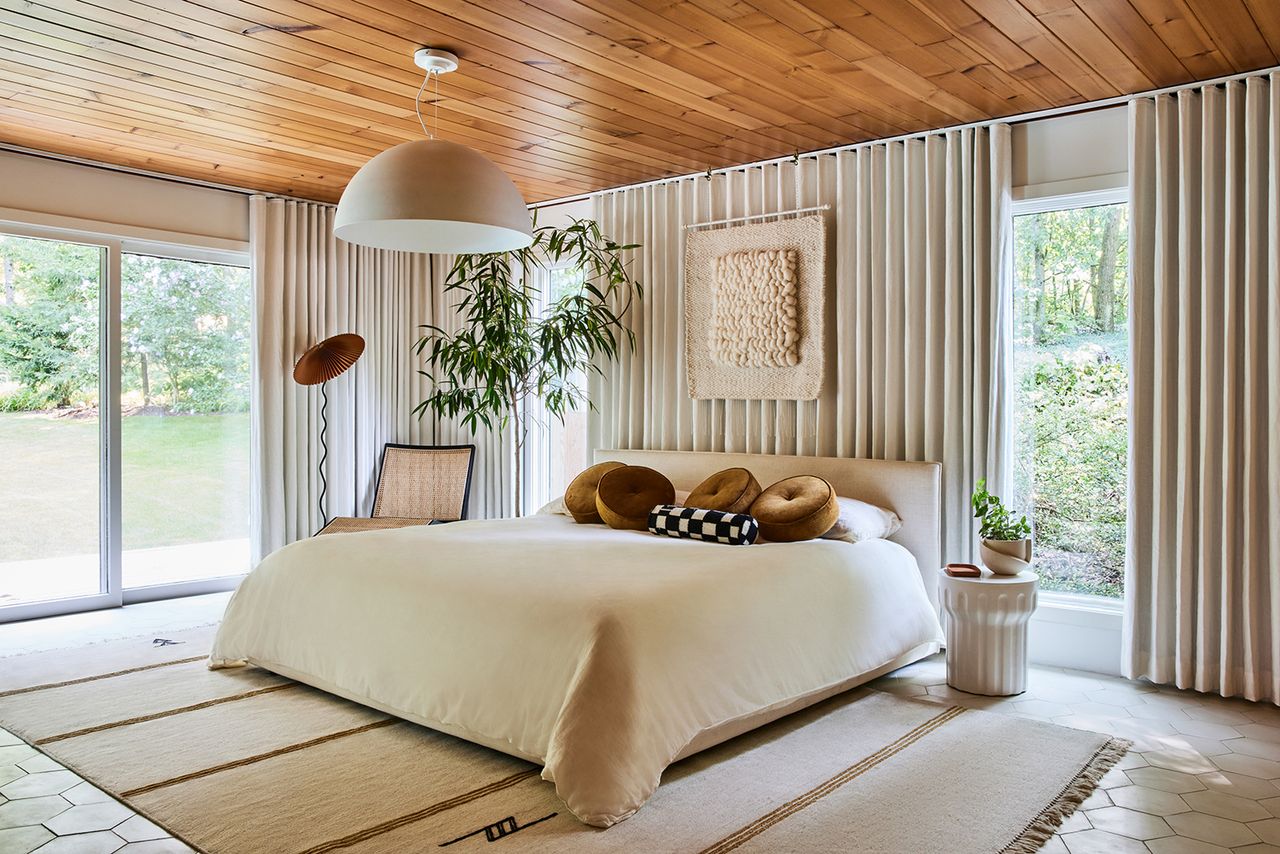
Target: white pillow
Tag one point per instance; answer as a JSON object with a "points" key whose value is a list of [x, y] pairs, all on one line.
{"points": [[555, 507], [859, 521]]}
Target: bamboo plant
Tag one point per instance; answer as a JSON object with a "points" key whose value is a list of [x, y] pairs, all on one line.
{"points": [[509, 348]]}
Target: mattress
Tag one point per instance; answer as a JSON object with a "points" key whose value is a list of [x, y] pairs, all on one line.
{"points": [[601, 655]]}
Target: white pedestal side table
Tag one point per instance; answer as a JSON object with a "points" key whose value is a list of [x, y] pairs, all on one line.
{"points": [[986, 621]]}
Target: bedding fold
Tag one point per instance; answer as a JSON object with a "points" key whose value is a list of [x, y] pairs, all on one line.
{"points": [[600, 654]]}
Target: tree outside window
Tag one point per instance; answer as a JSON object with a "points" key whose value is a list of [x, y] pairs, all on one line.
{"points": [[1071, 367]]}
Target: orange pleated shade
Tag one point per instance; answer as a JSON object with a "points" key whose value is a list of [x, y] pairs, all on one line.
{"points": [[328, 359]]}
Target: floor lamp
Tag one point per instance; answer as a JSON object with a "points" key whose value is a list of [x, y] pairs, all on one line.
{"points": [[326, 361]]}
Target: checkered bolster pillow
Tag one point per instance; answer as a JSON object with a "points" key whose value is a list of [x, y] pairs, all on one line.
{"points": [[715, 526]]}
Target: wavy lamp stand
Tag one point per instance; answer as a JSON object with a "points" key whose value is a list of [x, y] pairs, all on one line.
{"points": [[326, 361]]}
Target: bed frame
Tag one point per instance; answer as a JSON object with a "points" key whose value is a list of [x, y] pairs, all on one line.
{"points": [[912, 490]]}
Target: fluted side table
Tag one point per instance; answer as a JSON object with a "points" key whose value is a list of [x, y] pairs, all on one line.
{"points": [[986, 622]]}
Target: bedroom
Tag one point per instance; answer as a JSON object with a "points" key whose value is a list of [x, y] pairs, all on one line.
{"points": [[526, 426]]}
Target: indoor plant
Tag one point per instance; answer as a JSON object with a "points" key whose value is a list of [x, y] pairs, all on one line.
{"points": [[509, 347], [1006, 543]]}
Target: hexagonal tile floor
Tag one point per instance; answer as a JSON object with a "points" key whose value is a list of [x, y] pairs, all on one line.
{"points": [[1203, 776], [46, 808]]}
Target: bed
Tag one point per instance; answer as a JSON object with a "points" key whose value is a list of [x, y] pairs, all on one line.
{"points": [[601, 655]]}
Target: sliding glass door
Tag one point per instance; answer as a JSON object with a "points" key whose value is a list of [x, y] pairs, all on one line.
{"points": [[54, 432], [124, 422], [185, 420]]}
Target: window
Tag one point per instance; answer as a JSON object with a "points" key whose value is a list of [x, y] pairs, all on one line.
{"points": [[124, 430], [557, 451], [184, 330], [1071, 370], [51, 433]]}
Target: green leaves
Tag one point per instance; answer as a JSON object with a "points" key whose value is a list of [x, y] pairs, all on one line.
{"points": [[509, 346], [997, 523]]}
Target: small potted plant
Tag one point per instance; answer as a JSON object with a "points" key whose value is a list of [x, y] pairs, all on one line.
{"points": [[1006, 543]]}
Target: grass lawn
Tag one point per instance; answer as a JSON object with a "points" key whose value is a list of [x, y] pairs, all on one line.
{"points": [[185, 479]]}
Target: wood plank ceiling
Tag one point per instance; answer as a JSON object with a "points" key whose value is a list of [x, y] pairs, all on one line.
{"points": [[292, 96]]}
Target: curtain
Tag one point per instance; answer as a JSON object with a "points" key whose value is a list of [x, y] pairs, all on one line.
{"points": [[919, 331], [308, 286], [1202, 585]]}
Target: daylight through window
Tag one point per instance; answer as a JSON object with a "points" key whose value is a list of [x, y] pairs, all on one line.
{"points": [[1071, 364]]}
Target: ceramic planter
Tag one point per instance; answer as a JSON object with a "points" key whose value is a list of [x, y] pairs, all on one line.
{"points": [[1006, 557]]}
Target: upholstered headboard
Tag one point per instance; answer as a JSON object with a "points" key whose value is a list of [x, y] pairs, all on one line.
{"points": [[912, 490]]}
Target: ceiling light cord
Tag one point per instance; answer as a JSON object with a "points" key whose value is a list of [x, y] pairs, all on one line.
{"points": [[417, 105]]}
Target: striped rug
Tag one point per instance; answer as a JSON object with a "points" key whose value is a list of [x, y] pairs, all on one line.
{"points": [[246, 761]]}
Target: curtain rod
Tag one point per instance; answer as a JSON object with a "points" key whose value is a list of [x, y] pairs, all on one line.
{"points": [[750, 217], [1019, 118], [1016, 119]]}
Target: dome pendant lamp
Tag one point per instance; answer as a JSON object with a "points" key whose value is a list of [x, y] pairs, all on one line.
{"points": [[431, 195]]}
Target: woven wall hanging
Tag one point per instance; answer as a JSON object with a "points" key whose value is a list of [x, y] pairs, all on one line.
{"points": [[754, 303]]}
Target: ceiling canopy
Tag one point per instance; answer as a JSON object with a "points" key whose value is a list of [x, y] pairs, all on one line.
{"points": [[568, 96]]}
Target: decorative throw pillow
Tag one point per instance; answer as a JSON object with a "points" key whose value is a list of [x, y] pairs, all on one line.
{"points": [[859, 521], [797, 508], [696, 523], [625, 495], [580, 497], [732, 490]]}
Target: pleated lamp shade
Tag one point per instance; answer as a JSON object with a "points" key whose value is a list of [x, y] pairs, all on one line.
{"points": [[328, 359], [433, 196]]}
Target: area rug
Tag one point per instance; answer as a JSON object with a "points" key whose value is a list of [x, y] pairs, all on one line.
{"points": [[246, 761]]}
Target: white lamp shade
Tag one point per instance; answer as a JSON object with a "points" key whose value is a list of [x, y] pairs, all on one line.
{"points": [[433, 196]]}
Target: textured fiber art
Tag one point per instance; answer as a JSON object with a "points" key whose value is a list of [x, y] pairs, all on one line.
{"points": [[753, 315], [754, 301]]}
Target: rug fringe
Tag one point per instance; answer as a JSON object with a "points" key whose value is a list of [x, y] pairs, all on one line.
{"points": [[1042, 828]]}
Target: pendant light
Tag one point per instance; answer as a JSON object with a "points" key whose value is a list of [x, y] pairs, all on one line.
{"points": [[432, 195]]}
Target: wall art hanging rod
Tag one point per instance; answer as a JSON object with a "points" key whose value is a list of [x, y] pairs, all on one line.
{"points": [[758, 216]]}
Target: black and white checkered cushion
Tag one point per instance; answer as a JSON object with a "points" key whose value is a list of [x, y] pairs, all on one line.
{"points": [[716, 526]]}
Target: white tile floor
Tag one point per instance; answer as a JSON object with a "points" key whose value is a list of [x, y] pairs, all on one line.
{"points": [[1203, 777], [43, 806]]}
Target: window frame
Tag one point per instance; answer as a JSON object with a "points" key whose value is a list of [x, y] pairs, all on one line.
{"points": [[110, 536], [1078, 602]]}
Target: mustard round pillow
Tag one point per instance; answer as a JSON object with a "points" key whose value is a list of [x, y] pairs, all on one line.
{"points": [[797, 508], [627, 494], [732, 490], [580, 497]]}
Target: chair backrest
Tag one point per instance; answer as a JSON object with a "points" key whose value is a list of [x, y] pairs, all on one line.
{"points": [[424, 481]]}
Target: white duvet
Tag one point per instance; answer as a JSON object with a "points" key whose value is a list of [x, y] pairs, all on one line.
{"points": [[600, 654]]}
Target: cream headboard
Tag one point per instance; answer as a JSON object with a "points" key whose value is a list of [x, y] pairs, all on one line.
{"points": [[912, 490]]}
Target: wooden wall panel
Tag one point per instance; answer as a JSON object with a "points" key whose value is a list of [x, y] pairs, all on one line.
{"points": [[568, 96]]}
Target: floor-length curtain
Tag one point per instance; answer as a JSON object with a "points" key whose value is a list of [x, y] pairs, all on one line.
{"points": [[309, 285], [1202, 583], [919, 331]]}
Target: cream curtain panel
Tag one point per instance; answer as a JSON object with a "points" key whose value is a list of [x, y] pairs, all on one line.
{"points": [[1203, 577], [918, 334], [308, 286]]}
